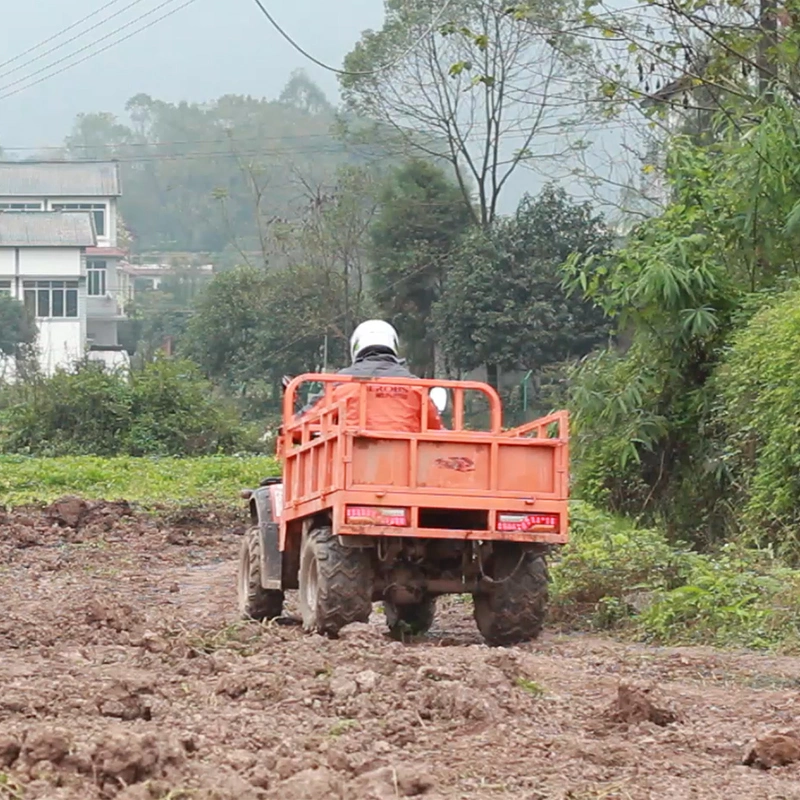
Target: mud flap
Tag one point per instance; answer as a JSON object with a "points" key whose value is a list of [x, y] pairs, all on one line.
{"points": [[271, 558], [268, 501]]}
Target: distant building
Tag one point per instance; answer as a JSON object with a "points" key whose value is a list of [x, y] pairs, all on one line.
{"points": [[59, 255], [149, 277]]}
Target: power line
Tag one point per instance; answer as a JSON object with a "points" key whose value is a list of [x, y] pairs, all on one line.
{"points": [[97, 52], [59, 33], [474, 136], [68, 41], [328, 67]]}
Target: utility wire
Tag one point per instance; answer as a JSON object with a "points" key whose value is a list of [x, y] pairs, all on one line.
{"points": [[328, 67], [288, 138], [68, 41], [59, 33], [97, 52]]}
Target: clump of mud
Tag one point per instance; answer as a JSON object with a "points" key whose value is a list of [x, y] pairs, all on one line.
{"points": [[634, 705], [776, 749]]}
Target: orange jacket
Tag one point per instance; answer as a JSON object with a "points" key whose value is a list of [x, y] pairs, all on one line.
{"points": [[389, 408]]}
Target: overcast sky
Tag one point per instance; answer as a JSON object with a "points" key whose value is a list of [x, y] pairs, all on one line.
{"points": [[210, 48], [203, 51]]}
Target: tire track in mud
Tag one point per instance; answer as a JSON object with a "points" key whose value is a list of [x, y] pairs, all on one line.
{"points": [[125, 673]]}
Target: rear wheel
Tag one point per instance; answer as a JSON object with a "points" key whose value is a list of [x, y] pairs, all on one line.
{"points": [[255, 602], [513, 609], [412, 619], [335, 583]]}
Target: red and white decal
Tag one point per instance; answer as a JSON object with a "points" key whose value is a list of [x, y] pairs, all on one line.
{"points": [[526, 522], [375, 515]]}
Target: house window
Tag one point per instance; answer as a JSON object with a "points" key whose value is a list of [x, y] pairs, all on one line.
{"points": [[5, 288], [20, 206], [51, 299], [96, 278], [98, 211]]}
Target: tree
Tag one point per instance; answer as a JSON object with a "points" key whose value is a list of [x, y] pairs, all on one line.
{"points": [[17, 333], [421, 219], [479, 91], [663, 67], [644, 422], [301, 92], [334, 236], [251, 326], [746, 52], [504, 305], [226, 324]]}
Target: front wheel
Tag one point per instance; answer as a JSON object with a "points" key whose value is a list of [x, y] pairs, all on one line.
{"points": [[512, 608], [335, 583], [255, 602]]}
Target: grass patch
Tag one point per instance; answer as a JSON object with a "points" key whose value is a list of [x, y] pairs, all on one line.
{"points": [[9, 788], [616, 576], [148, 482], [239, 636], [342, 726], [531, 687]]}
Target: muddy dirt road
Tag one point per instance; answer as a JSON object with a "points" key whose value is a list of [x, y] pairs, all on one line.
{"points": [[125, 673]]}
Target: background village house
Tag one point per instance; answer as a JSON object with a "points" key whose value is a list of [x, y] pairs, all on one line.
{"points": [[59, 255]]}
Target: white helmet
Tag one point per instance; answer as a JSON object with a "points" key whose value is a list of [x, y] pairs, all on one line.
{"points": [[373, 333]]}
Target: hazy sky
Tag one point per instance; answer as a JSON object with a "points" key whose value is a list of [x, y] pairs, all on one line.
{"points": [[203, 51], [210, 48]]}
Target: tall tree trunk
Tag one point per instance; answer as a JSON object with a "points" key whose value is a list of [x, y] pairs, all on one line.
{"points": [[768, 24]]}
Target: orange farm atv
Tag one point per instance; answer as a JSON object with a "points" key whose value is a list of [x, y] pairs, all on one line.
{"points": [[362, 516]]}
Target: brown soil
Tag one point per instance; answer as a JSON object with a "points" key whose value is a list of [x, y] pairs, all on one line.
{"points": [[125, 674]]}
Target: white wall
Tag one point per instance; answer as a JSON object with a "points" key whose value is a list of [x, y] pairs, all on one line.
{"points": [[50, 262], [7, 261], [60, 342]]}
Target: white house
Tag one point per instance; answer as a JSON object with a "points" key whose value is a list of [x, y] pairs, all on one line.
{"points": [[58, 225]]}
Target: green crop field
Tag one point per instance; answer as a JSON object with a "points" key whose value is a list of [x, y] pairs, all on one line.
{"points": [[147, 482]]}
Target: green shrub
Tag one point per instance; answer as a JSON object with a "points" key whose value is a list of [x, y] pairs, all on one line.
{"points": [[165, 408], [759, 385], [608, 562], [740, 597], [614, 575]]}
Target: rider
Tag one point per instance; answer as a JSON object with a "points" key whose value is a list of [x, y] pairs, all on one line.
{"points": [[374, 349]]}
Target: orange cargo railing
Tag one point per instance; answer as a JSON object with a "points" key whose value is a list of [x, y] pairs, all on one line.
{"points": [[330, 465]]}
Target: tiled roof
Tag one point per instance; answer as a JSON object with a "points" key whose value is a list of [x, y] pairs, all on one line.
{"points": [[46, 229], [59, 179]]}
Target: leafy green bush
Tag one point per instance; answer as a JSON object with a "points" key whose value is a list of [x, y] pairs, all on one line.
{"points": [[614, 575], [209, 480], [608, 562], [165, 408], [739, 597], [759, 384], [649, 442]]}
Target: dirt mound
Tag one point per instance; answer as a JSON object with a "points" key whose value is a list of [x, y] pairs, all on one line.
{"points": [[122, 758], [74, 512], [776, 749], [384, 783], [634, 705], [126, 697]]}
